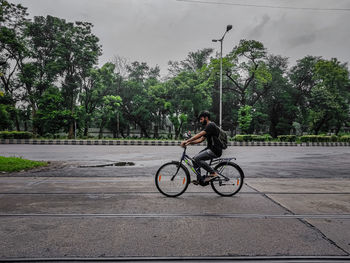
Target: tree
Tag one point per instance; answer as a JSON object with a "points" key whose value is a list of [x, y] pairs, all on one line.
{"points": [[245, 67], [137, 105], [193, 62], [107, 110], [245, 118], [329, 100], [12, 44], [51, 115], [302, 80], [98, 84], [78, 52], [5, 111], [12, 50], [44, 68], [278, 103], [190, 85]]}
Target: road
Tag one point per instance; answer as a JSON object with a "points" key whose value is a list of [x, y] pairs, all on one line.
{"points": [[295, 202]]}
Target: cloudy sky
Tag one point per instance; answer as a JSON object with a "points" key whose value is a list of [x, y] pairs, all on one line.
{"points": [[156, 31]]}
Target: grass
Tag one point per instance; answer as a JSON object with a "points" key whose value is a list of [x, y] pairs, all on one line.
{"points": [[15, 164]]}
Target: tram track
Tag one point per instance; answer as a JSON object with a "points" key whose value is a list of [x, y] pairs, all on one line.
{"points": [[238, 259], [156, 192], [180, 215]]}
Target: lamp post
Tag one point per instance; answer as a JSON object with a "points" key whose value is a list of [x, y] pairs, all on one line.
{"points": [[221, 40]]}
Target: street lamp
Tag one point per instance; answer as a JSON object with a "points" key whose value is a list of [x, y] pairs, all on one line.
{"points": [[221, 40]]}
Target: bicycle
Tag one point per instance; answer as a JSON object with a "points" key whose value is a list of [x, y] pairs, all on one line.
{"points": [[173, 178]]}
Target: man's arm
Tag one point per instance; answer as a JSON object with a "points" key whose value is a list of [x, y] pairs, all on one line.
{"points": [[198, 140], [194, 138]]}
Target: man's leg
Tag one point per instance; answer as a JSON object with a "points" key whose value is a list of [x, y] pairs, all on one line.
{"points": [[201, 158]]}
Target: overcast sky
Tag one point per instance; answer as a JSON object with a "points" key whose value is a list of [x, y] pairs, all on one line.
{"points": [[156, 31]]}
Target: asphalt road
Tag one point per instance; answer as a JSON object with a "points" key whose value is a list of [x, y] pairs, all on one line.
{"points": [[295, 202], [262, 162]]}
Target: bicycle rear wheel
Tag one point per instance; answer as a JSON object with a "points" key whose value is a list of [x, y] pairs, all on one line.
{"points": [[172, 179], [230, 179]]}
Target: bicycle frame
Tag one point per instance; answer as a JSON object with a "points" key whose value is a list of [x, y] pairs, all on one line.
{"points": [[213, 161]]}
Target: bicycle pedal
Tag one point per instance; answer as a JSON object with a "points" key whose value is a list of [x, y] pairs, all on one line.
{"points": [[195, 182]]}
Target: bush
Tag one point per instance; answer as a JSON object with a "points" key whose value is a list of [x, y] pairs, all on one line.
{"points": [[15, 135], [318, 138], [252, 138], [344, 138], [287, 138]]}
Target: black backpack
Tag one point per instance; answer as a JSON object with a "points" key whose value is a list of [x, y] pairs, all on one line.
{"points": [[222, 138]]}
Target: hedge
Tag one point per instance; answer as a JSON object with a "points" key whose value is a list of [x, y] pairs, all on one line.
{"points": [[319, 138], [15, 135], [287, 138], [252, 138], [344, 138]]}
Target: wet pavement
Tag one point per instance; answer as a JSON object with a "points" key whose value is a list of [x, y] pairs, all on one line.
{"points": [[295, 202]]}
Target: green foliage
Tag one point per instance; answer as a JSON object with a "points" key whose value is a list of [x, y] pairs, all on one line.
{"points": [[14, 164], [252, 138], [178, 121], [51, 81], [329, 99], [344, 138], [318, 138], [287, 138], [51, 116], [15, 135], [245, 118]]}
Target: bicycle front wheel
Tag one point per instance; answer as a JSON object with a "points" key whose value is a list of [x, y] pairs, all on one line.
{"points": [[172, 179], [230, 179]]}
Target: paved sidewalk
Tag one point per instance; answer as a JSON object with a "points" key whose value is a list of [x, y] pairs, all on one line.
{"points": [[109, 217]]}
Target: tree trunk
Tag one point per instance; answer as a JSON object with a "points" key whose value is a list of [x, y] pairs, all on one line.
{"points": [[100, 133], [35, 128], [156, 134], [86, 128], [17, 123], [118, 125], [71, 130]]}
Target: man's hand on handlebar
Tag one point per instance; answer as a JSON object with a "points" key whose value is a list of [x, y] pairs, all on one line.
{"points": [[184, 144]]}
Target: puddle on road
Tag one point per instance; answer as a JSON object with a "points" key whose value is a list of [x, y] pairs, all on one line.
{"points": [[109, 164]]}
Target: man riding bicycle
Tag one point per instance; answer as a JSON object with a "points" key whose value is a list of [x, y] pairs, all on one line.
{"points": [[210, 132]]}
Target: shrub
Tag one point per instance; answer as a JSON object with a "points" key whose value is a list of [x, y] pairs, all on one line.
{"points": [[344, 138], [287, 138], [15, 135], [252, 138], [318, 138]]}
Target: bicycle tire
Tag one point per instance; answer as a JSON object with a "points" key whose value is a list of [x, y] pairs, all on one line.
{"points": [[164, 183], [236, 177]]}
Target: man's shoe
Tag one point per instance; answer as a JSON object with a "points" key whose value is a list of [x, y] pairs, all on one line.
{"points": [[210, 177]]}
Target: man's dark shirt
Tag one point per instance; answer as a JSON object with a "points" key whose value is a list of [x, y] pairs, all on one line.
{"points": [[212, 137]]}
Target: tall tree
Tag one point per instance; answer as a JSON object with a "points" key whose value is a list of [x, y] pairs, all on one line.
{"points": [[78, 52], [246, 69], [301, 77], [99, 83], [278, 103], [137, 106], [13, 19], [329, 100]]}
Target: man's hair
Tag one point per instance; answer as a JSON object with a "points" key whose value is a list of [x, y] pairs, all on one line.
{"points": [[204, 114]]}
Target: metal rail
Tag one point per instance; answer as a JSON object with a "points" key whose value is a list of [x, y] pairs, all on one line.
{"points": [[252, 259], [155, 192], [179, 215]]}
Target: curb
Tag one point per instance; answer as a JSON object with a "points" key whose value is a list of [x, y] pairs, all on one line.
{"points": [[160, 143]]}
